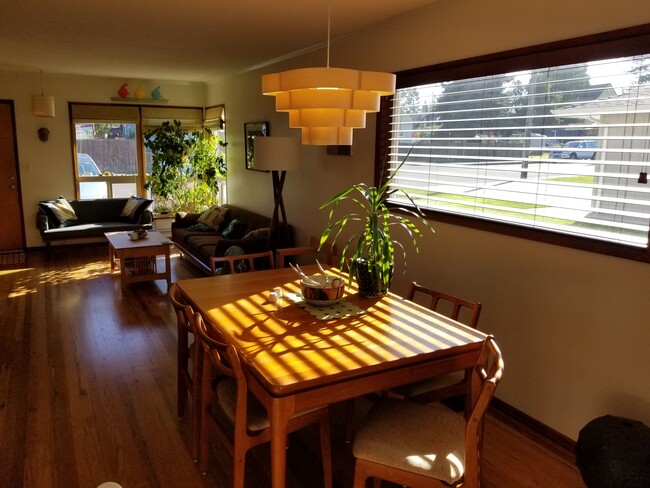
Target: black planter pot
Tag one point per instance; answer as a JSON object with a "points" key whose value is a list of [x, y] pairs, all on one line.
{"points": [[367, 279]]}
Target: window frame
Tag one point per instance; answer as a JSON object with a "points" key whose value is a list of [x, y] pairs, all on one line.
{"points": [[613, 44]]}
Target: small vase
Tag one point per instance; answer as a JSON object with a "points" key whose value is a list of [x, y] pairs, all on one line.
{"points": [[367, 278]]}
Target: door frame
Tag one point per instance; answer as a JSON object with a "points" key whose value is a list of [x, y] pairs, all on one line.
{"points": [[14, 138]]}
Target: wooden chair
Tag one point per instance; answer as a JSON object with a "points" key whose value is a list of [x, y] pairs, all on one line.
{"points": [[185, 354], [420, 445], [329, 252], [244, 262], [249, 418], [446, 386]]}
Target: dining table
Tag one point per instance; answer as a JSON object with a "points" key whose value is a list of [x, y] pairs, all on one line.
{"points": [[298, 356]]}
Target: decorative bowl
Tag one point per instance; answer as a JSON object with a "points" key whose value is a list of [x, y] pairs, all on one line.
{"points": [[322, 290]]}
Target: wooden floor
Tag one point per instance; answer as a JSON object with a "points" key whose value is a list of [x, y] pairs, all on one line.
{"points": [[88, 393]]}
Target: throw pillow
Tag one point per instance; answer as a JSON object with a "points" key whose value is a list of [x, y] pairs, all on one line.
{"points": [[133, 209], [199, 227], [262, 233], [59, 212], [234, 230], [215, 217]]}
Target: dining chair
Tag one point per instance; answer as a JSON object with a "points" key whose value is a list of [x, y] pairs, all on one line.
{"points": [[244, 262], [229, 399], [453, 384], [419, 445], [439, 387], [328, 252], [186, 355]]}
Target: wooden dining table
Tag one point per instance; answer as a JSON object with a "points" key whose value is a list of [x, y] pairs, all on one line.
{"points": [[295, 360]]}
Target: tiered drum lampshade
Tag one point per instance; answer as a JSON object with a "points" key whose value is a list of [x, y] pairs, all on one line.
{"points": [[327, 103]]}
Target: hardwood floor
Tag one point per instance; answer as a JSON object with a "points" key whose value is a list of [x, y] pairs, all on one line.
{"points": [[88, 393]]}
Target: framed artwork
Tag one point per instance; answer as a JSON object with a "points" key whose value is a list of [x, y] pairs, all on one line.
{"points": [[251, 131]]}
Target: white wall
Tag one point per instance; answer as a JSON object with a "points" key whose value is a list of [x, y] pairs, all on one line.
{"points": [[46, 168], [573, 325]]}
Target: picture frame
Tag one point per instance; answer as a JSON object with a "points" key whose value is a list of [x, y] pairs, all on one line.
{"points": [[251, 131]]}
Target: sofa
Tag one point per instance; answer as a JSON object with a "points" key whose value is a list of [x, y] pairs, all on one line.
{"points": [[198, 238], [61, 219]]}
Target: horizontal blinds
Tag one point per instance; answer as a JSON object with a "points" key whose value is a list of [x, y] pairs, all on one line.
{"points": [[87, 113], [561, 149], [190, 118], [213, 116]]}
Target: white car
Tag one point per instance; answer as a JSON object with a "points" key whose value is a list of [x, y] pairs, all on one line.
{"points": [[576, 150]]}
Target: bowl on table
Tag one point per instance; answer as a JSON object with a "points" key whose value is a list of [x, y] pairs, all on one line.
{"points": [[322, 290]]}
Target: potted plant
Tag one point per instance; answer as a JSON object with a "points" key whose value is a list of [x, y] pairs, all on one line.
{"points": [[369, 253], [186, 166]]}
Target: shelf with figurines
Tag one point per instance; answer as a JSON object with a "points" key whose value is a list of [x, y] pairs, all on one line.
{"points": [[123, 93]]}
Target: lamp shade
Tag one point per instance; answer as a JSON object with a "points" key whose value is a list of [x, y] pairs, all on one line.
{"points": [[277, 153], [327, 103], [43, 105]]}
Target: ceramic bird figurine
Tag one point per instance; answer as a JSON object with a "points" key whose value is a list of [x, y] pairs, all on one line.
{"points": [[139, 93], [155, 94], [123, 92]]}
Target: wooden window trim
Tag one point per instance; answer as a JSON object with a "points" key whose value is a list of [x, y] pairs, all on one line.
{"points": [[619, 43]]}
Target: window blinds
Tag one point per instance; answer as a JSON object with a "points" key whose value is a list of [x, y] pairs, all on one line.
{"points": [[560, 149]]}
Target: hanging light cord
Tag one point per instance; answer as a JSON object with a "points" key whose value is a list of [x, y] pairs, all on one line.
{"points": [[329, 27]]}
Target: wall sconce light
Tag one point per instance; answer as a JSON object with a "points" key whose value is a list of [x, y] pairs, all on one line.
{"points": [[42, 105], [43, 134]]}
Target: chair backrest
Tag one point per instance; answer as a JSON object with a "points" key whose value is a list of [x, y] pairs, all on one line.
{"points": [[328, 251], [179, 304], [225, 359], [486, 374], [244, 262], [439, 299], [212, 343]]}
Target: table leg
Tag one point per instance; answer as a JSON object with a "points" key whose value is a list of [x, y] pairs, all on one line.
{"points": [[111, 257], [280, 416], [168, 275]]}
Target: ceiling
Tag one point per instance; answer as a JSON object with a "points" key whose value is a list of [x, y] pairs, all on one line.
{"points": [[165, 40]]}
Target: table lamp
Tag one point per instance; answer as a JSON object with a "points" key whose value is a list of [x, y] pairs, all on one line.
{"points": [[278, 155]]}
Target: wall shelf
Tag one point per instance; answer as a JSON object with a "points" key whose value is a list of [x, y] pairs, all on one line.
{"points": [[139, 100]]}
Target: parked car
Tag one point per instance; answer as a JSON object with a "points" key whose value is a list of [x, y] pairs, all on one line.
{"points": [[575, 150], [87, 166]]}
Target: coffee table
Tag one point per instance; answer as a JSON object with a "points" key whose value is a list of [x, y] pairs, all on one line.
{"points": [[138, 259]]}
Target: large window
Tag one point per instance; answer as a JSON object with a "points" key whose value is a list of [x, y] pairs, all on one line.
{"points": [[111, 159], [108, 156], [561, 150]]}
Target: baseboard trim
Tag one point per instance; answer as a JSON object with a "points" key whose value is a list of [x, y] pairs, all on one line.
{"points": [[541, 433]]}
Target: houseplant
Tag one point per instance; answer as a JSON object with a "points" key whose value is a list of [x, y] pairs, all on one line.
{"points": [[369, 253], [186, 166]]}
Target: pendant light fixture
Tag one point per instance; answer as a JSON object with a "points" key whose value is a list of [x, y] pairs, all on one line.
{"points": [[42, 105], [328, 103]]}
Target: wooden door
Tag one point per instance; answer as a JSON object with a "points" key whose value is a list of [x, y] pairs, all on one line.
{"points": [[12, 235]]}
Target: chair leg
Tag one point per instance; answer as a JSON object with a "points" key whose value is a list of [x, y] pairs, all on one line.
{"points": [[349, 424], [326, 450], [359, 476], [239, 468]]}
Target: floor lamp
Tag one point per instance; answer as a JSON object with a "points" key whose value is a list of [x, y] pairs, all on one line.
{"points": [[278, 155]]}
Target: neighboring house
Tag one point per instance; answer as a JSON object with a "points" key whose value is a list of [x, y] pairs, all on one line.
{"points": [[625, 132]]}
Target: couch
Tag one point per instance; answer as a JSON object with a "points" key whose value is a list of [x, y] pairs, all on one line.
{"points": [[91, 218], [238, 227]]}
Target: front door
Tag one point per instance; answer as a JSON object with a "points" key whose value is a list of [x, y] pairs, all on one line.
{"points": [[12, 237]]}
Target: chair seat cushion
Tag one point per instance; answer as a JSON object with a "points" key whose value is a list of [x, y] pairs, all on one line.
{"points": [[424, 439], [257, 418], [431, 384]]}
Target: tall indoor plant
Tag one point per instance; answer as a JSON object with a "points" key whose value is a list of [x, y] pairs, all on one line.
{"points": [[369, 253], [186, 166]]}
